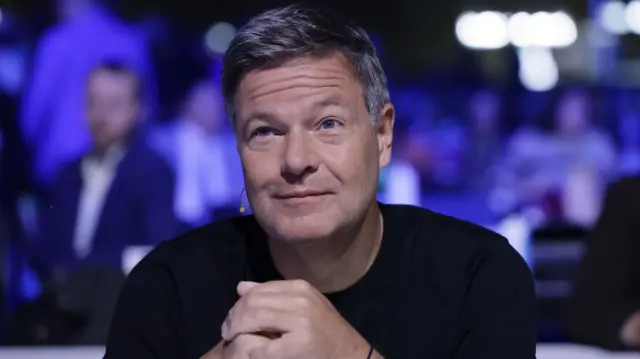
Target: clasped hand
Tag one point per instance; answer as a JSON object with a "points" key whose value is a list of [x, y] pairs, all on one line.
{"points": [[288, 320]]}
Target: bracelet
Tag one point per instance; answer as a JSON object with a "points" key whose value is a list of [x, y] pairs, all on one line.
{"points": [[370, 352]]}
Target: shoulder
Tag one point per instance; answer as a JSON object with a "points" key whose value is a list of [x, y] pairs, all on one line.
{"points": [[626, 185], [436, 227], [619, 192], [216, 246], [456, 247]]}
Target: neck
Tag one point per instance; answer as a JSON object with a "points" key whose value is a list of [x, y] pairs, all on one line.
{"points": [[335, 263]]}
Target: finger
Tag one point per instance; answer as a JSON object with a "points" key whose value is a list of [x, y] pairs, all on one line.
{"points": [[242, 346], [251, 302], [286, 286], [244, 287], [259, 320], [270, 350]]}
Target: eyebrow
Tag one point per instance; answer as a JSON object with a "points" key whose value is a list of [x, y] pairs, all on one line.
{"points": [[329, 101]]}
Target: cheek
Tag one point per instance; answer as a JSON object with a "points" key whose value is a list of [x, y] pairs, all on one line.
{"points": [[259, 169], [356, 166]]}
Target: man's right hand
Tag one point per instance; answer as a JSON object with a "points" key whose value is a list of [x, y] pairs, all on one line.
{"points": [[239, 348], [631, 331]]}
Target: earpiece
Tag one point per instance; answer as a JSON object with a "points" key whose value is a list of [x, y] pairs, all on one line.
{"points": [[242, 207]]}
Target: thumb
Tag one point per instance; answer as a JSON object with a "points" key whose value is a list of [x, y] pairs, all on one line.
{"points": [[244, 287]]}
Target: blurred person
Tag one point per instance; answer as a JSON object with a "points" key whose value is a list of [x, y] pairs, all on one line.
{"points": [[322, 270], [116, 195], [604, 308], [53, 104], [484, 138], [468, 147], [415, 148], [202, 151], [538, 161]]}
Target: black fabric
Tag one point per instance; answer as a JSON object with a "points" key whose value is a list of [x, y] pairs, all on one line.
{"points": [[439, 288], [606, 290]]}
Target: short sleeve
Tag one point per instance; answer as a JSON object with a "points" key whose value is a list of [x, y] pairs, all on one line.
{"points": [[146, 317], [499, 316]]}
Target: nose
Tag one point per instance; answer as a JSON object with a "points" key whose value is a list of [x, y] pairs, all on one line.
{"points": [[300, 158]]}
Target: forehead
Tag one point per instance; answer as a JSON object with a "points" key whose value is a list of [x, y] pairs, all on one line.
{"points": [[298, 84], [112, 82]]}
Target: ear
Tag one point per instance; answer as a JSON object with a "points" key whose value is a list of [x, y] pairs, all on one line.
{"points": [[384, 133]]}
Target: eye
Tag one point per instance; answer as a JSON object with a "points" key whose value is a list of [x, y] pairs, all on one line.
{"points": [[262, 132], [329, 124]]}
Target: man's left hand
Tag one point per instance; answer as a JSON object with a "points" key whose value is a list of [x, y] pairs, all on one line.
{"points": [[302, 320]]}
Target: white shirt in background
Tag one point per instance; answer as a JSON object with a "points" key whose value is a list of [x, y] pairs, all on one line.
{"points": [[202, 176], [97, 177], [403, 184]]}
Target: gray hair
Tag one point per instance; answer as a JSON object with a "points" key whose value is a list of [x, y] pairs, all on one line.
{"points": [[280, 35]]}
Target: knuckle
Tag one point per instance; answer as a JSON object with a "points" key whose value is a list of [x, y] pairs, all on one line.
{"points": [[263, 315], [302, 302], [251, 300], [302, 285]]}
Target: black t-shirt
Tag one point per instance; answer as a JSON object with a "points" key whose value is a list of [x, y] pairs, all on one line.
{"points": [[439, 288]]}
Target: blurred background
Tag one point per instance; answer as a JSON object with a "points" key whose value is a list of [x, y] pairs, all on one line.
{"points": [[516, 115]]}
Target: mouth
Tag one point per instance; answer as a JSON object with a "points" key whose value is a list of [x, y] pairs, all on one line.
{"points": [[300, 195]]}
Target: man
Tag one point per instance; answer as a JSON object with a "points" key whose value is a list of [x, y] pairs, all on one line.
{"points": [[605, 306], [117, 195], [322, 270]]}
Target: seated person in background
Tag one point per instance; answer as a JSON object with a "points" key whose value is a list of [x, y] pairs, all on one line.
{"points": [[605, 306], [119, 194], [322, 270], [201, 148]]}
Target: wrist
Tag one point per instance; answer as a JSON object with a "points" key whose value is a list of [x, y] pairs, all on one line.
{"points": [[371, 353], [216, 353]]}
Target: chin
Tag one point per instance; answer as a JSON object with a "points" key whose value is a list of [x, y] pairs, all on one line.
{"points": [[301, 229], [296, 229]]}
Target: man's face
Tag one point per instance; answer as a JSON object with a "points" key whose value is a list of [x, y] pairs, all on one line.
{"points": [[310, 154], [113, 107]]}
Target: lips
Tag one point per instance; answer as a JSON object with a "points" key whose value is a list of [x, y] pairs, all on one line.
{"points": [[300, 194]]}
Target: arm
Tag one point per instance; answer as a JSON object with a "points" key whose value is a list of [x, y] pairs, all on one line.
{"points": [[146, 319], [499, 319], [606, 289]]}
